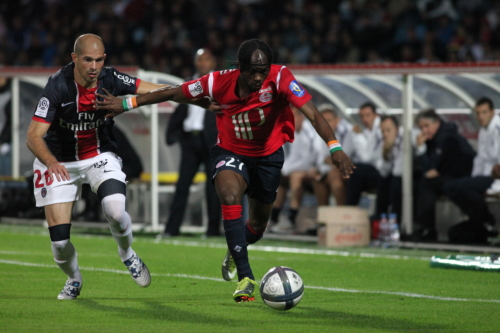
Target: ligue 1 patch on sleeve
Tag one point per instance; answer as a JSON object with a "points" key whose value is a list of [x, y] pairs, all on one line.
{"points": [[296, 89], [195, 88], [42, 108]]}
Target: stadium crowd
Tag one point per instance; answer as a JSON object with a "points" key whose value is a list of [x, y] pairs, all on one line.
{"points": [[163, 35]]}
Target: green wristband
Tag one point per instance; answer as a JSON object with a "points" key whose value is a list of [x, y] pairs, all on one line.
{"points": [[124, 104], [335, 149]]}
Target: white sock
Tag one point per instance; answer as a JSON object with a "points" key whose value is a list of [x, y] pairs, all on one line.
{"points": [[120, 223], [67, 259]]}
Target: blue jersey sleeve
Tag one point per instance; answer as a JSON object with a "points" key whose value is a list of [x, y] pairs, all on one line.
{"points": [[48, 104]]}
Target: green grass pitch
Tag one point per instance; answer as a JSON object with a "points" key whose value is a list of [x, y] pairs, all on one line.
{"points": [[348, 290]]}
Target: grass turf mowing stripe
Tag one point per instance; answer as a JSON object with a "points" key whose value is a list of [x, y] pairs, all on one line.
{"points": [[198, 277]]}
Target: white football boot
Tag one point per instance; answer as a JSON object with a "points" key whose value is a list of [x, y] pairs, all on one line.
{"points": [[71, 290], [138, 270]]}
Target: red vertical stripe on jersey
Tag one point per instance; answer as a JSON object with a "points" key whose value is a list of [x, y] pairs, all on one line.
{"points": [[87, 140]]}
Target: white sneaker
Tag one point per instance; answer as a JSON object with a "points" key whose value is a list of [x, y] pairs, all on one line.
{"points": [[283, 227], [71, 290], [138, 270]]}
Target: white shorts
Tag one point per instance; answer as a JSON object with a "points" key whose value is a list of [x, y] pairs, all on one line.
{"points": [[92, 171]]}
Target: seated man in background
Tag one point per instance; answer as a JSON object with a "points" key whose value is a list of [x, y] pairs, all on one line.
{"points": [[391, 168], [343, 131], [444, 156], [468, 192], [304, 164], [367, 155]]}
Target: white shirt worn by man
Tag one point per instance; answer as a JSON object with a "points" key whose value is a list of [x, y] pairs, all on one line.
{"points": [[394, 166], [195, 116], [343, 133], [488, 152], [368, 145], [306, 152]]}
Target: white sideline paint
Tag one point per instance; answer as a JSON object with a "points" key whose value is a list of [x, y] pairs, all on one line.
{"points": [[198, 277], [283, 249]]}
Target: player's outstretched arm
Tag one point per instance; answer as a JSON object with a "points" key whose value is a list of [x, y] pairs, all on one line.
{"points": [[339, 158], [35, 143], [117, 105]]}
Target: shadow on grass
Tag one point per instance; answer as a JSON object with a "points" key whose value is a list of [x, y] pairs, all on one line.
{"points": [[155, 311], [311, 316]]}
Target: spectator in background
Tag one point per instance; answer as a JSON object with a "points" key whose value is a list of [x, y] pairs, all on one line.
{"points": [[444, 156], [343, 132], [196, 131], [468, 192], [304, 166], [6, 133], [391, 168], [367, 155]]}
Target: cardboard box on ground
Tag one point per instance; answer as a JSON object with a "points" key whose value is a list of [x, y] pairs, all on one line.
{"points": [[343, 226]]}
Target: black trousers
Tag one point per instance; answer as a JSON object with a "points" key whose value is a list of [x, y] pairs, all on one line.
{"points": [[468, 194], [194, 151], [430, 189], [365, 178]]}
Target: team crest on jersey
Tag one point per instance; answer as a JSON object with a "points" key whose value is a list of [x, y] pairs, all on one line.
{"points": [[44, 192], [297, 89], [42, 108], [195, 88], [266, 97], [221, 163]]}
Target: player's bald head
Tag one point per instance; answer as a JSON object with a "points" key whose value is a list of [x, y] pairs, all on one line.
{"points": [[88, 42]]}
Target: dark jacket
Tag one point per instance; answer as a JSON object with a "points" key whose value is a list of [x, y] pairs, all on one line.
{"points": [[175, 125], [448, 152]]}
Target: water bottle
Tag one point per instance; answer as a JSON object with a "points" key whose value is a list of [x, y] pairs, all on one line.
{"points": [[383, 229], [393, 228]]}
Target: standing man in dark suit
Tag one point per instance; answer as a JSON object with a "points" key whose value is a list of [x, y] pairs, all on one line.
{"points": [[196, 130]]}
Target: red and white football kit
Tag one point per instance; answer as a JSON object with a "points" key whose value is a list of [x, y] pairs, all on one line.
{"points": [[259, 124]]}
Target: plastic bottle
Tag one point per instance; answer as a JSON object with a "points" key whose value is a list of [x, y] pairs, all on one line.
{"points": [[383, 229], [394, 229]]}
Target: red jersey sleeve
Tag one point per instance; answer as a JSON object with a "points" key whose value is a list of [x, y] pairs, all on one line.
{"points": [[291, 89], [198, 88]]}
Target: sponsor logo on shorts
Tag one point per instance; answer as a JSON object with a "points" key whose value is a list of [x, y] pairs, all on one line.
{"points": [[237, 248], [42, 108], [296, 89], [195, 88], [266, 97], [44, 192], [101, 164], [221, 163]]}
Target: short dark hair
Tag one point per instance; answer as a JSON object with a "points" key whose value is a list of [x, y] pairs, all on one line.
{"points": [[485, 100], [392, 118], [369, 105], [428, 114], [247, 48]]}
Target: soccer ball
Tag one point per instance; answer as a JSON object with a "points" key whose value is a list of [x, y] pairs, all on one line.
{"points": [[281, 288]]}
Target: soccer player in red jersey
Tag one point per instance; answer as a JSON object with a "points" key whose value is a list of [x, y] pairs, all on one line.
{"points": [[254, 121]]}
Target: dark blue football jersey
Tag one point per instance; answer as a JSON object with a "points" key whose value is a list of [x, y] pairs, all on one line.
{"points": [[77, 130]]}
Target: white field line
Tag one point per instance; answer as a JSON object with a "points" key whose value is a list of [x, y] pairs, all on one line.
{"points": [[282, 249], [198, 277]]}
